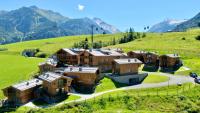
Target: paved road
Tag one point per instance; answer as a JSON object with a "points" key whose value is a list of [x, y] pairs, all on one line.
{"points": [[173, 80]]}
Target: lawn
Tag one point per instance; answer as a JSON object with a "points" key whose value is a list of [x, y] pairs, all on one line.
{"points": [[15, 68], [130, 101], [107, 84], [41, 103], [165, 43], [155, 78]]}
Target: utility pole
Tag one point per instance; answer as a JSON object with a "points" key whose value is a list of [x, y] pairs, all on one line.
{"points": [[92, 35]]}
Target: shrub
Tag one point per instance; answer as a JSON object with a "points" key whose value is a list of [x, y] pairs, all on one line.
{"points": [[198, 37], [41, 55], [3, 49], [183, 38]]}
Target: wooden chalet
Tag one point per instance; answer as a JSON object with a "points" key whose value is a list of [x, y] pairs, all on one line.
{"points": [[170, 61], [126, 66], [101, 58], [151, 58], [68, 56], [83, 75], [47, 67], [55, 86], [137, 54], [23, 92]]}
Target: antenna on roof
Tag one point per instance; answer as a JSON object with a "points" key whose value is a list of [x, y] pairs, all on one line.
{"points": [[71, 68], [80, 69]]}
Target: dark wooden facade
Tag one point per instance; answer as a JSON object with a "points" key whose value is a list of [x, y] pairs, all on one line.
{"points": [[83, 75], [126, 66], [137, 54], [170, 61], [46, 67], [55, 84], [68, 57], [151, 58], [101, 58], [23, 92]]}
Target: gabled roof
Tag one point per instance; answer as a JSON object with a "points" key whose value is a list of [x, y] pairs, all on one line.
{"points": [[96, 52], [172, 55], [69, 51], [128, 61], [49, 62], [50, 76], [111, 52], [81, 69], [139, 51], [27, 84]]}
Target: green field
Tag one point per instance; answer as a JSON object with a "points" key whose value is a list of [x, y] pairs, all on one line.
{"points": [[15, 68], [172, 99], [155, 78]]}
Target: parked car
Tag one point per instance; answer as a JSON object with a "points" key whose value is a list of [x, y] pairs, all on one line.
{"points": [[193, 75], [197, 80]]}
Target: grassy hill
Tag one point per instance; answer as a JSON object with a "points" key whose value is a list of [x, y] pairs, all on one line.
{"points": [[16, 68]]}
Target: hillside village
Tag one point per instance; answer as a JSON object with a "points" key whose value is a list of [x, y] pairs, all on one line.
{"points": [[82, 69]]}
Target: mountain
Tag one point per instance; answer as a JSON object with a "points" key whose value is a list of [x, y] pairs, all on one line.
{"points": [[106, 26], [30, 23], [166, 25], [191, 23]]}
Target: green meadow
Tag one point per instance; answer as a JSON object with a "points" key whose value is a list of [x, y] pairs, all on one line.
{"points": [[15, 68]]}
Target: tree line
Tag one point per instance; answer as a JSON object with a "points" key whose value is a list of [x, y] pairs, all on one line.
{"points": [[129, 36]]}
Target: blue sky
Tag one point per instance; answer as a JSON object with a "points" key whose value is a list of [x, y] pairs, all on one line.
{"points": [[121, 13]]}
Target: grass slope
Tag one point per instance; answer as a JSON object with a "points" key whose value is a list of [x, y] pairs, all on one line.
{"points": [[155, 78], [165, 43], [15, 68]]}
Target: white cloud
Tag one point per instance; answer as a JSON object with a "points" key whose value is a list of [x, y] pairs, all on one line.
{"points": [[81, 7]]}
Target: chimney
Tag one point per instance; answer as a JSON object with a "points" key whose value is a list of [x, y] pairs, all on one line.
{"points": [[27, 83], [71, 68], [37, 81], [129, 60], [135, 60], [80, 69]]}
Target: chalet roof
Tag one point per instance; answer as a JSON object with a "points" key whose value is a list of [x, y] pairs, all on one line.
{"points": [[173, 55], [69, 51], [111, 52], [128, 61], [27, 84], [49, 61], [81, 69], [139, 51], [96, 52], [49, 76]]}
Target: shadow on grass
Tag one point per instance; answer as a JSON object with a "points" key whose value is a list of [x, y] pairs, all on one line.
{"points": [[150, 68], [171, 70], [119, 85], [8, 109]]}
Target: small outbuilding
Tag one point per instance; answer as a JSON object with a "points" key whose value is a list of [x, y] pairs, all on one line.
{"points": [[84, 78], [126, 71], [23, 92], [55, 86], [170, 61], [47, 67], [126, 66]]}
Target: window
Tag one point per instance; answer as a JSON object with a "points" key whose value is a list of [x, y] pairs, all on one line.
{"points": [[61, 83]]}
